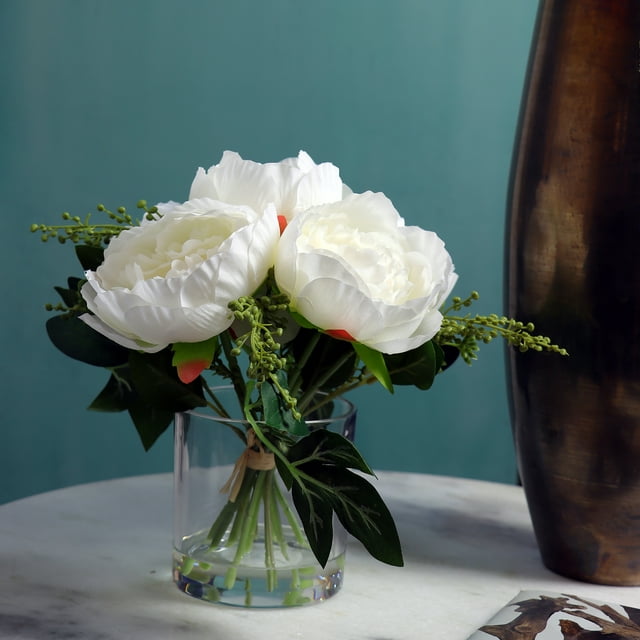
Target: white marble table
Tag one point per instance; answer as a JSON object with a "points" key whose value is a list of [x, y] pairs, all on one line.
{"points": [[92, 562]]}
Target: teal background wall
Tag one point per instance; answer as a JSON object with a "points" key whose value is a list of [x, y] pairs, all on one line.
{"points": [[113, 101]]}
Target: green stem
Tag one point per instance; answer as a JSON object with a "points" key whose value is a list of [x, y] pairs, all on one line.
{"points": [[222, 522], [291, 519], [242, 500], [269, 524], [214, 403], [295, 579], [248, 530], [277, 524], [267, 443], [295, 378], [296, 473], [312, 392], [247, 592], [237, 379]]}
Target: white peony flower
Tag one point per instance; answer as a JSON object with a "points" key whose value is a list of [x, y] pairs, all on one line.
{"points": [[292, 185], [170, 280], [354, 270]]}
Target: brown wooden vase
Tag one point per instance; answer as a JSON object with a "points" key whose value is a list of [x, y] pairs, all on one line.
{"points": [[573, 269]]}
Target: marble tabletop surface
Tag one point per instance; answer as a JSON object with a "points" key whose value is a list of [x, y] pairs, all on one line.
{"points": [[92, 562]]}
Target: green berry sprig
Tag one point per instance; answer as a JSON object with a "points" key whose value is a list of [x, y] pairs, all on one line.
{"points": [[467, 332], [260, 341], [81, 231]]}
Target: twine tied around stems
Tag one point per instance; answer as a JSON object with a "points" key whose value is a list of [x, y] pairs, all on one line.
{"points": [[253, 457]]}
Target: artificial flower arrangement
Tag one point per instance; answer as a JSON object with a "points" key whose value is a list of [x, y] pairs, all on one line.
{"points": [[278, 279]]}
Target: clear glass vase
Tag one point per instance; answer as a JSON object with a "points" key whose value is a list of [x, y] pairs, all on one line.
{"points": [[237, 537]]}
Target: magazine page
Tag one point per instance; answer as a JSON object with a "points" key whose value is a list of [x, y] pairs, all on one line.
{"points": [[534, 615]]}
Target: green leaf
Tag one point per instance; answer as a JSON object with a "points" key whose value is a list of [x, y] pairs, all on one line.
{"points": [[285, 474], [301, 320], [364, 514], [90, 257], [79, 341], [449, 355], [71, 295], [150, 422], [276, 414], [188, 351], [374, 361], [316, 516], [326, 447], [271, 406], [440, 355], [156, 383], [117, 394], [417, 367], [322, 482], [74, 283], [150, 391]]}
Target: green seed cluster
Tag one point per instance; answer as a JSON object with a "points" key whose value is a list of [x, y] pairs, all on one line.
{"points": [[81, 231], [467, 332], [260, 342]]}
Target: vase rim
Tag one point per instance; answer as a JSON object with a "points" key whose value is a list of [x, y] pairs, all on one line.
{"points": [[348, 410]]}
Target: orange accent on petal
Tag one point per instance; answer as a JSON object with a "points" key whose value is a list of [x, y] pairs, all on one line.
{"points": [[282, 223], [340, 334], [189, 371]]}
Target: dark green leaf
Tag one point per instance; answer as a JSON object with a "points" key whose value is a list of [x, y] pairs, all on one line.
{"points": [[326, 447], [285, 474], [70, 297], [90, 257], [417, 367], [321, 483], [117, 394], [156, 383], [149, 389], [317, 519], [79, 341], [150, 422], [364, 514], [450, 355]]}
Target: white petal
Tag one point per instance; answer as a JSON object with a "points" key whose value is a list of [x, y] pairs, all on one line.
{"points": [[428, 328], [321, 185], [95, 323], [332, 304]]}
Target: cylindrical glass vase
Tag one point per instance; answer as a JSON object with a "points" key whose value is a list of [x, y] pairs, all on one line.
{"points": [[237, 537]]}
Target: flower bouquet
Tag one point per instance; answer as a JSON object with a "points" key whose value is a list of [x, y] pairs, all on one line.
{"points": [[278, 280]]}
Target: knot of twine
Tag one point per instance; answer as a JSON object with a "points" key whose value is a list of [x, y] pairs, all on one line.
{"points": [[256, 457]]}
